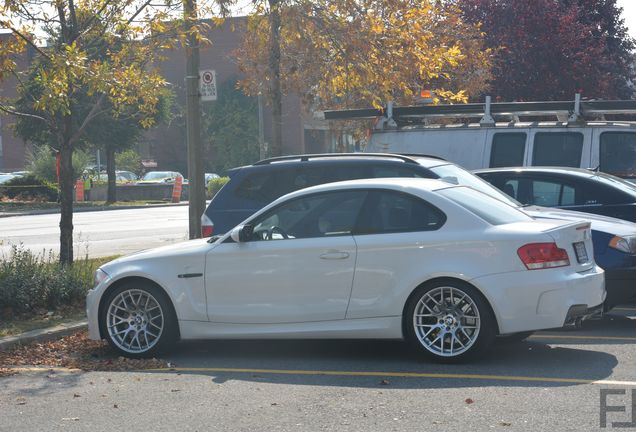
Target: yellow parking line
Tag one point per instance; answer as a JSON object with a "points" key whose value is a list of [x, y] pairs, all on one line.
{"points": [[583, 337], [402, 375]]}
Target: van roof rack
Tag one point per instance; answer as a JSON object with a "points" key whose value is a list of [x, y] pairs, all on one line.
{"points": [[575, 111], [306, 157]]}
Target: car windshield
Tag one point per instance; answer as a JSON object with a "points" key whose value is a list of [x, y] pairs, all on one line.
{"points": [[454, 174], [157, 175], [490, 209]]}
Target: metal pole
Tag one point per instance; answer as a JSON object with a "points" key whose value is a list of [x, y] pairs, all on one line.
{"points": [[261, 129], [196, 192]]}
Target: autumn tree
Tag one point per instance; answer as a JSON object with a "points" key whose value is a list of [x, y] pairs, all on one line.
{"points": [[552, 49], [120, 80], [350, 53]]}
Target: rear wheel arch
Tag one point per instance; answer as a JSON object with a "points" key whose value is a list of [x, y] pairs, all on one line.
{"points": [[440, 280], [139, 280]]}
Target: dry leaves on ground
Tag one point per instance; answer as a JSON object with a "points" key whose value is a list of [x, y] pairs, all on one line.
{"points": [[74, 352]]}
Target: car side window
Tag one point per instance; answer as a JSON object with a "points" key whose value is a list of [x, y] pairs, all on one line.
{"points": [[389, 212], [264, 187], [319, 215], [552, 194]]}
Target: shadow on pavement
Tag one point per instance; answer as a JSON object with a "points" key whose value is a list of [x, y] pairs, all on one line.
{"points": [[352, 359]]}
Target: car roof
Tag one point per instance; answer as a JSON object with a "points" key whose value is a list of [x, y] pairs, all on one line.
{"points": [[345, 158], [580, 172], [398, 183]]}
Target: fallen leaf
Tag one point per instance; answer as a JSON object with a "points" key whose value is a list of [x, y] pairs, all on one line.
{"points": [[505, 424], [175, 390], [75, 395], [469, 401], [115, 406], [384, 382]]}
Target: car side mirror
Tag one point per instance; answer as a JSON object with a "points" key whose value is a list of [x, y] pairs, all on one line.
{"points": [[242, 233]]}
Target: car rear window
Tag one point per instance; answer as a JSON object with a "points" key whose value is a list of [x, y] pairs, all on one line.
{"points": [[486, 207]]}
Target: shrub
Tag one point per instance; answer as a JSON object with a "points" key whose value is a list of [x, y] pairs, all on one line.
{"points": [[30, 282], [29, 188], [215, 185], [42, 163]]}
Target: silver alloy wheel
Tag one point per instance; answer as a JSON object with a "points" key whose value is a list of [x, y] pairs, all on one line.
{"points": [[135, 321], [446, 321]]}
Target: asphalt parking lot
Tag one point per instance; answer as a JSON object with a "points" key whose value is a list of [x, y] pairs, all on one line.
{"points": [[554, 381]]}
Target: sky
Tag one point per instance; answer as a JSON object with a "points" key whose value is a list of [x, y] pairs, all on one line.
{"points": [[629, 14]]}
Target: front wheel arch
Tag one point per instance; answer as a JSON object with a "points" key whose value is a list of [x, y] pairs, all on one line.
{"points": [[133, 279]]}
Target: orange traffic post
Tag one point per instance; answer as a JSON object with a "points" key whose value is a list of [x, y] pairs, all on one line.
{"points": [[79, 191], [176, 190]]}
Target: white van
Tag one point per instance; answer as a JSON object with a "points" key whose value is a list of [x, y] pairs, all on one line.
{"points": [[577, 142]]}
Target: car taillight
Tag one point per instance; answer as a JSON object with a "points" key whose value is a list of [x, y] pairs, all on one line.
{"points": [[537, 256], [207, 227], [206, 231]]}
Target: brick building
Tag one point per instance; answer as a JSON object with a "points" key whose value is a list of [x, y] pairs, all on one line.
{"points": [[167, 144], [12, 148]]}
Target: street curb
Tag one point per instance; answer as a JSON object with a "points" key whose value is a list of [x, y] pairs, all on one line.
{"points": [[42, 335], [88, 209]]}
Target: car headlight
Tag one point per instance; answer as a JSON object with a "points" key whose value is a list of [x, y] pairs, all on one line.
{"points": [[625, 244], [100, 276]]}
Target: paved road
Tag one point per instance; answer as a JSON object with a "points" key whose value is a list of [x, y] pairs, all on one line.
{"points": [[100, 233], [550, 383]]}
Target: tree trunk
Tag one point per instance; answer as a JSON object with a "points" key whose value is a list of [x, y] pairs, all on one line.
{"points": [[111, 195], [66, 202], [274, 66]]}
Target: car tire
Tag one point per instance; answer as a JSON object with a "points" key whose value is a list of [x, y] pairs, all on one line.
{"points": [[138, 320], [513, 338], [449, 321]]}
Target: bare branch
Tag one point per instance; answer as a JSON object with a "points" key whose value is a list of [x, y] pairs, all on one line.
{"points": [[94, 112], [12, 111]]}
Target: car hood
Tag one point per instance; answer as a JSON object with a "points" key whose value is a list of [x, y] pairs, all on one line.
{"points": [[599, 223], [190, 247]]}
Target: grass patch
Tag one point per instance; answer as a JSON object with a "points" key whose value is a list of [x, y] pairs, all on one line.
{"points": [[36, 291]]}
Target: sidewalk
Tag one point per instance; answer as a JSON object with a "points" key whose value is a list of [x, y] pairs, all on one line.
{"points": [[4, 214]]}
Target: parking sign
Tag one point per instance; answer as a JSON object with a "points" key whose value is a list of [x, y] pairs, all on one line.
{"points": [[207, 85]]}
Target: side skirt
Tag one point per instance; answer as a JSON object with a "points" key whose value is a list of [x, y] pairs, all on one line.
{"points": [[367, 328]]}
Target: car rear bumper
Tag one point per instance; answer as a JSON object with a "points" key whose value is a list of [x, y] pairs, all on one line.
{"points": [[542, 299]]}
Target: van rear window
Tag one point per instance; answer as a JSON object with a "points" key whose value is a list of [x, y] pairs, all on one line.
{"points": [[558, 149]]}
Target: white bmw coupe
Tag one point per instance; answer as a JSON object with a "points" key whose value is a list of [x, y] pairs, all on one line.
{"points": [[446, 267]]}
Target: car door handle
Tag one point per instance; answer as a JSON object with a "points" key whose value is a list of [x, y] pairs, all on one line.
{"points": [[334, 255]]}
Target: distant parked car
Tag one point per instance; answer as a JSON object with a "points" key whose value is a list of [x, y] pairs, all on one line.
{"points": [[4, 178], [210, 176], [444, 266], [154, 177], [566, 188], [127, 176]]}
